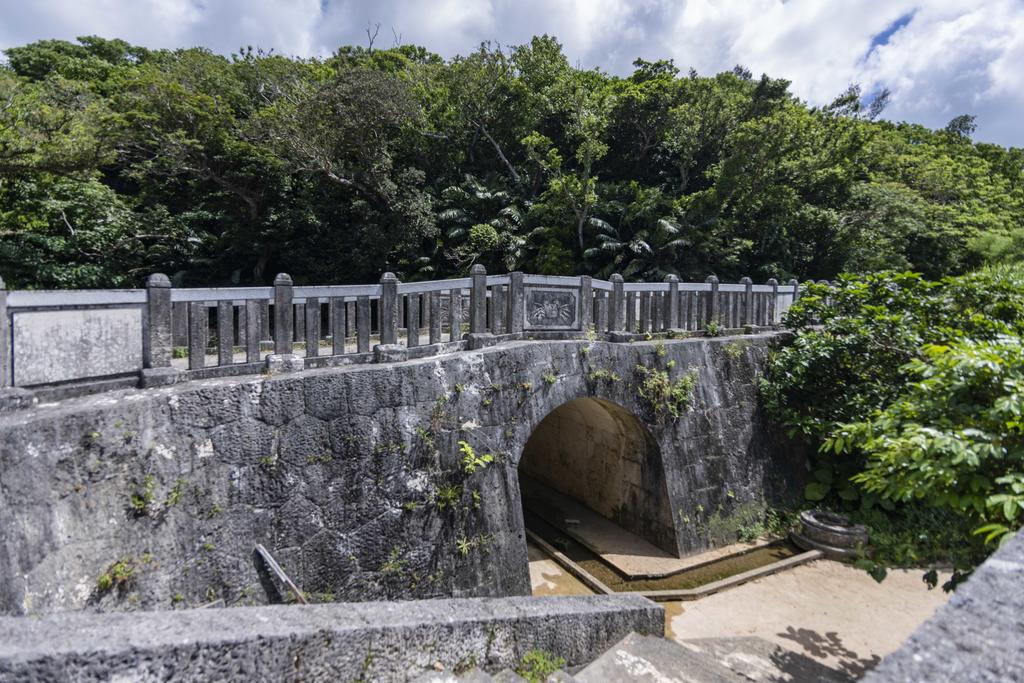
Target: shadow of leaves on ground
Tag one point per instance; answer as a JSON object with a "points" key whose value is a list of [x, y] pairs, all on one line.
{"points": [[830, 647]]}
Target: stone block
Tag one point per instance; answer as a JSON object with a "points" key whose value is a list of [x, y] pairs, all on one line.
{"points": [[285, 362], [390, 353]]}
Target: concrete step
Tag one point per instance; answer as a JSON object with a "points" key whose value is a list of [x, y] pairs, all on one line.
{"points": [[656, 660], [508, 676], [760, 660]]}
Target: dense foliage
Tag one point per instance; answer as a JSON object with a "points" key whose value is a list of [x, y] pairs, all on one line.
{"points": [[116, 161], [912, 392]]}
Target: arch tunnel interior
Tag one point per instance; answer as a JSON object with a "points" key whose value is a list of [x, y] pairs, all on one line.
{"points": [[597, 454]]}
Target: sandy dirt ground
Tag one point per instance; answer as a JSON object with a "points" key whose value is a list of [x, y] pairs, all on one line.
{"points": [[828, 611], [825, 610]]}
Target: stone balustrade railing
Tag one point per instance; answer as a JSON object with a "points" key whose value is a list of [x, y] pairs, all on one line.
{"points": [[55, 344]]}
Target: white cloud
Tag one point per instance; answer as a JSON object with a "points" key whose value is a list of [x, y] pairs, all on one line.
{"points": [[952, 57]]}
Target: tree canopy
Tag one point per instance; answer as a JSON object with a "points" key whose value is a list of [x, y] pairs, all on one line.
{"points": [[117, 161]]}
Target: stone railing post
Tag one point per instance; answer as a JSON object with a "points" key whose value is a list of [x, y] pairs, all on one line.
{"points": [[157, 339], [11, 397], [388, 309], [156, 333], [516, 311], [773, 304], [795, 284], [671, 317], [284, 315], [455, 315], [748, 300], [478, 300], [284, 359], [617, 304], [711, 311]]}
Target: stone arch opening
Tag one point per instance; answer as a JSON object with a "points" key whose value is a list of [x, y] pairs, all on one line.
{"points": [[598, 454]]}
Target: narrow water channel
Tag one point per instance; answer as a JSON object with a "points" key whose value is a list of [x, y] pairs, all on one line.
{"points": [[605, 573]]}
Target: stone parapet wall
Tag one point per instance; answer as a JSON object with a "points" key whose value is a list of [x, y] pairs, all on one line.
{"points": [[977, 636], [380, 641]]}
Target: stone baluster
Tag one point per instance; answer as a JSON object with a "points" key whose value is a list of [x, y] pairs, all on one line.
{"points": [[586, 302], [773, 302], [617, 304], [671, 317], [253, 323], [455, 315], [434, 313], [363, 323], [516, 306], [412, 319], [198, 329], [497, 309], [645, 312], [312, 327], [600, 311], [339, 313], [179, 324], [225, 332]]}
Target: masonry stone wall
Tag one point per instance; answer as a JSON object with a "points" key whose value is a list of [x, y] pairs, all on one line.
{"points": [[352, 477]]}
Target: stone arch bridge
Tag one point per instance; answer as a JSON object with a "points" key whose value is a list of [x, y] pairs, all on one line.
{"points": [[399, 477]]}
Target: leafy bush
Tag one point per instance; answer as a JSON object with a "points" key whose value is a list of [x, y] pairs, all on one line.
{"points": [[912, 392], [955, 438]]}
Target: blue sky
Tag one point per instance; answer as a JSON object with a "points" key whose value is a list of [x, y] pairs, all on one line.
{"points": [[940, 58]]}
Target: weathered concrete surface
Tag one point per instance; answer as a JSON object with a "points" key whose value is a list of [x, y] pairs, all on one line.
{"points": [[379, 641], [55, 346], [977, 636], [352, 477]]}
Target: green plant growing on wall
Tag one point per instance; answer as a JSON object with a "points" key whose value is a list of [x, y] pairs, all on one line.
{"points": [[448, 496], [537, 665], [175, 494], [394, 563], [471, 461], [603, 375], [550, 377], [141, 500], [734, 350], [713, 328], [119, 575], [664, 395]]}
